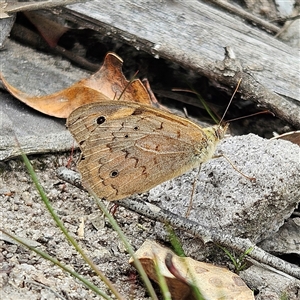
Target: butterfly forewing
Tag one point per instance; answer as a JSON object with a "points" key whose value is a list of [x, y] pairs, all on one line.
{"points": [[129, 148]]}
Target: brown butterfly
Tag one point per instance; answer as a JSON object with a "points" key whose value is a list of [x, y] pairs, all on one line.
{"points": [[129, 148]]}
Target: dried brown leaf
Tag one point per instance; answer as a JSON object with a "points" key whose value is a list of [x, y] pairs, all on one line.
{"points": [[106, 84], [292, 136], [213, 282]]}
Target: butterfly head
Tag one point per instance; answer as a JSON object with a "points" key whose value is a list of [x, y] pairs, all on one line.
{"points": [[216, 133], [220, 130]]}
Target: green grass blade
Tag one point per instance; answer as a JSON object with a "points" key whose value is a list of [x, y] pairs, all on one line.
{"points": [[174, 241], [46, 256], [130, 250], [64, 230], [161, 280]]}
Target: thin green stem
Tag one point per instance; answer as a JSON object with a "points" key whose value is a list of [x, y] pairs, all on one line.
{"points": [[161, 279], [86, 282], [64, 230], [127, 245]]}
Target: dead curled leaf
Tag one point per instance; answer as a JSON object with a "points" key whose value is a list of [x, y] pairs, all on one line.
{"points": [[106, 84], [213, 282], [292, 136]]}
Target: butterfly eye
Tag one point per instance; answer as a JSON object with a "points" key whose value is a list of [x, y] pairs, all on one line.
{"points": [[218, 132], [114, 173], [126, 136], [136, 128], [100, 120]]}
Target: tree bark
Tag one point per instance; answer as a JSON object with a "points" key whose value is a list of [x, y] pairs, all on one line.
{"points": [[194, 35]]}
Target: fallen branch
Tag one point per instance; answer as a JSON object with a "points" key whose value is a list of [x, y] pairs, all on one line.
{"points": [[205, 234]]}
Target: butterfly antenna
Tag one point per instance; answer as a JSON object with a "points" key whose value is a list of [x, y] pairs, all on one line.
{"points": [[252, 115], [129, 82], [236, 89]]}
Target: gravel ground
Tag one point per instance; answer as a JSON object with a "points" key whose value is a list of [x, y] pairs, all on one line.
{"points": [[27, 276]]}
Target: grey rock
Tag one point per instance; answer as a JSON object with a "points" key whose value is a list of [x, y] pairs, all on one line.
{"points": [[226, 200]]}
